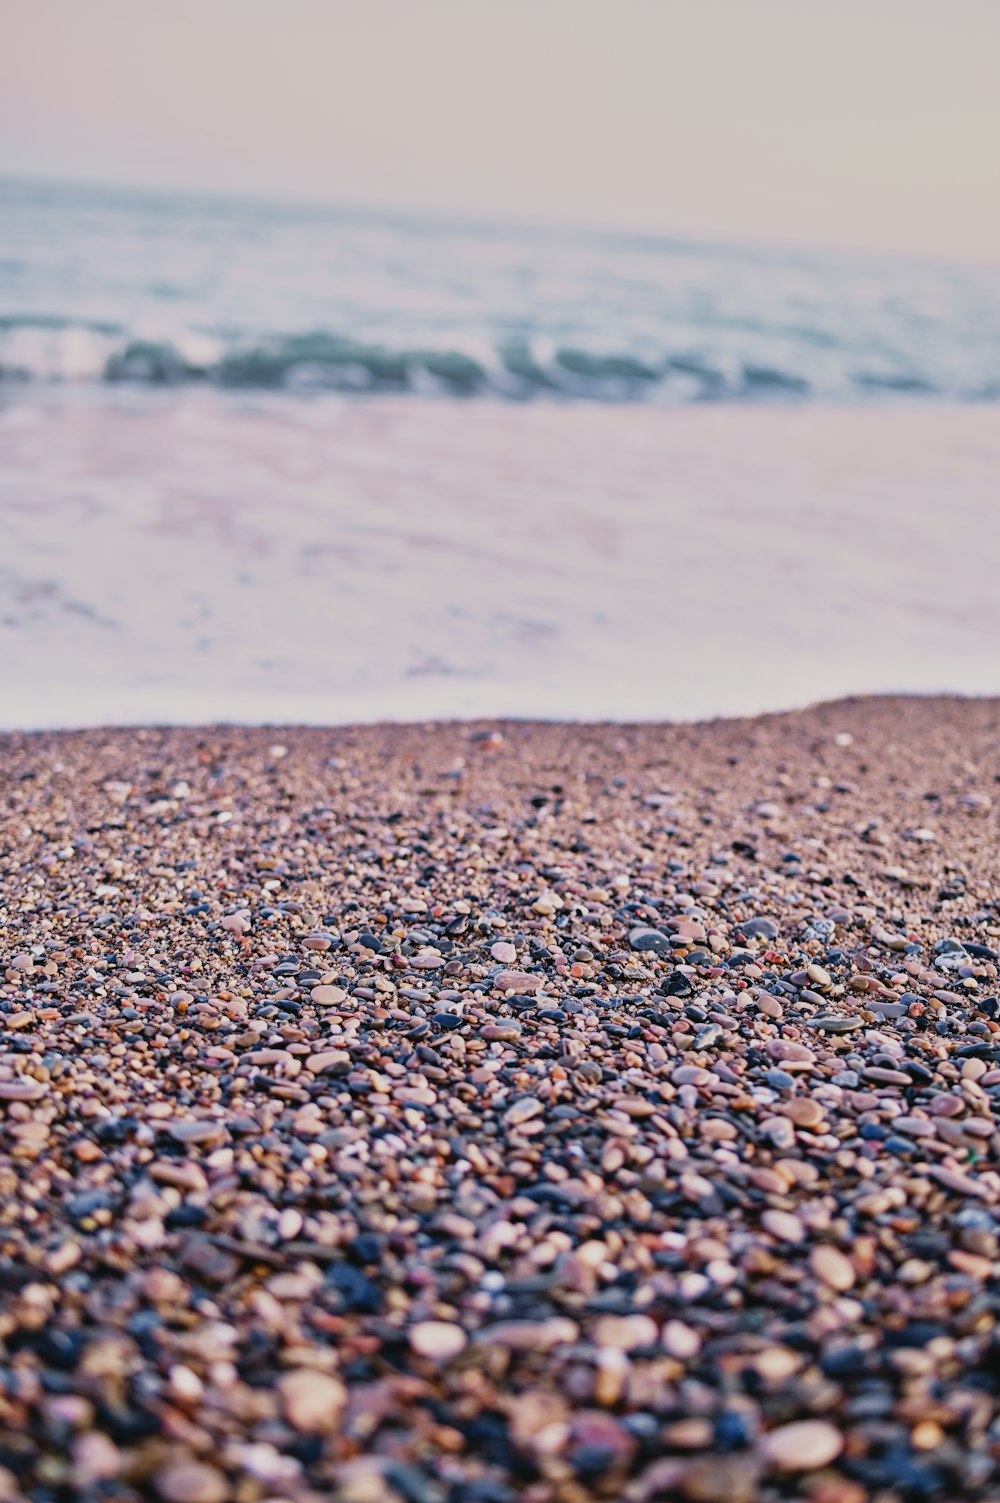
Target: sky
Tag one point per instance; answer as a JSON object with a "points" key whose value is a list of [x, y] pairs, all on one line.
{"points": [[866, 123]]}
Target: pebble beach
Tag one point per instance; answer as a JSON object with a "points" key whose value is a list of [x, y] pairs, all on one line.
{"points": [[472, 1112]]}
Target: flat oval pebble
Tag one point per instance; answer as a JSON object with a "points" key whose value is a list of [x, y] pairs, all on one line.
{"points": [[196, 1132], [438, 1340], [835, 1023], [879, 1075], [802, 1446], [790, 1053], [517, 981], [21, 1090], [783, 1226], [680, 1340], [522, 1111], [832, 1267], [191, 1482], [313, 1401], [530, 1335], [804, 1111], [327, 996], [328, 1059], [626, 1332]]}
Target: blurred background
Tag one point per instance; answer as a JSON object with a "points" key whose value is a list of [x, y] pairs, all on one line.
{"points": [[553, 359]]}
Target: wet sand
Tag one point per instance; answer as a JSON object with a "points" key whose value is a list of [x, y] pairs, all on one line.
{"points": [[467, 1113], [190, 556]]}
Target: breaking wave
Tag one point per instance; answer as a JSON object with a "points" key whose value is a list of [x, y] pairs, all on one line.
{"points": [[118, 287], [47, 349]]}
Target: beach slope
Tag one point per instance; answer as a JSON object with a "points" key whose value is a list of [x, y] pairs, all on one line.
{"points": [[469, 1112]]}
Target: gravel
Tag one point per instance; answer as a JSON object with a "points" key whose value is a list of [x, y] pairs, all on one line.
{"points": [[357, 1141]]}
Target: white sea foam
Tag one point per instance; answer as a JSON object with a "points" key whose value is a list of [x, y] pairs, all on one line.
{"points": [[191, 558]]}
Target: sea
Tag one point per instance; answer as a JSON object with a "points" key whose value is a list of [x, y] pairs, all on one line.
{"points": [[269, 462]]}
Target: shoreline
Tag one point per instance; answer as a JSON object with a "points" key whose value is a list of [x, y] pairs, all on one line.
{"points": [[186, 560], [473, 723], [473, 1112]]}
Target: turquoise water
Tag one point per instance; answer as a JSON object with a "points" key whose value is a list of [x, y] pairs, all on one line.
{"points": [[127, 287]]}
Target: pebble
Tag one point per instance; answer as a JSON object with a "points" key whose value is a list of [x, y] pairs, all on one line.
{"points": [[783, 1226], [626, 1332], [802, 1446], [680, 1340], [835, 1023], [650, 940], [313, 1401], [517, 981], [483, 1152], [522, 1111], [191, 1482], [327, 996], [760, 928], [21, 1090], [832, 1267], [438, 1340], [804, 1111]]}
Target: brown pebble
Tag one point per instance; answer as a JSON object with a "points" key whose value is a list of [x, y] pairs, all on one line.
{"points": [[832, 1267]]}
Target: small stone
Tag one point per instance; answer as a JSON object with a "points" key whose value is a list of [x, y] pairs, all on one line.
{"points": [[517, 981], [96, 1459], [522, 1111], [828, 1022], [783, 1226], [961, 1184], [197, 1132], [504, 951], [802, 1446], [313, 1401], [760, 928], [645, 939], [832, 1267], [775, 1364], [803, 1111], [437, 1340], [719, 1479], [547, 903], [626, 1333], [879, 1075], [327, 996], [680, 1340], [327, 1060], [190, 1481], [780, 1131], [21, 1090], [790, 1054], [530, 1335]]}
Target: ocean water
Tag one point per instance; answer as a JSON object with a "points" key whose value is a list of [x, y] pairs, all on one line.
{"points": [[123, 287], [273, 464]]}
